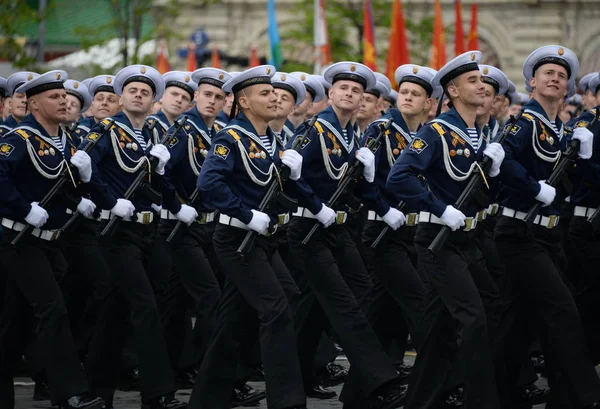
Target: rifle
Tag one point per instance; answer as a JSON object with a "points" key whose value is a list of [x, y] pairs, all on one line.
{"points": [[141, 176], [468, 194], [567, 158], [64, 177], [73, 127], [351, 177], [275, 192], [386, 229]]}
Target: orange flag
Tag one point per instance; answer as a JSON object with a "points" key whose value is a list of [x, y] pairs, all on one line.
{"points": [[459, 35], [321, 38], [162, 60], [473, 37], [191, 58], [438, 56], [253, 61], [368, 40], [398, 45], [215, 58]]}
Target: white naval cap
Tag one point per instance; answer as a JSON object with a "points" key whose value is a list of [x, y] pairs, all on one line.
{"points": [[378, 90], [593, 84], [466, 62], [3, 88], [523, 98], [585, 80], [323, 82], [211, 76], [44, 82], [494, 77], [551, 54], [87, 81], [571, 88], [574, 100], [180, 79], [102, 83], [17, 79], [312, 84], [350, 71], [291, 84], [392, 97], [385, 81], [416, 74], [252, 76], [79, 91], [140, 73]]}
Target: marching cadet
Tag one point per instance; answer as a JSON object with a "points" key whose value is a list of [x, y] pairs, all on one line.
{"points": [[179, 93], [18, 101], [446, 152], [118, 158], [236, 174], [583, 236], [390, 100], [315, 93], [78, 101], [383, 79], [32, 159], [323, 103], [370, 107], [339, 287], [532, 253], [398, 289], [588, 99], [291, 92], [223, 116], [496, 85]]}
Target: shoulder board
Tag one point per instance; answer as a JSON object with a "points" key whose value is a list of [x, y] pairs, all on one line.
{"points": [[234, 134], [217, 127], [580, 124], [319, 127], [22, 133], [438, 128], [527, 116]]}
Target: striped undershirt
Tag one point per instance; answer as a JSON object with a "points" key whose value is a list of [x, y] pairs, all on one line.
{"points": [[472, 132], [140, 138], [58, 142], [266, 143], [554, 128], [345, 135]]}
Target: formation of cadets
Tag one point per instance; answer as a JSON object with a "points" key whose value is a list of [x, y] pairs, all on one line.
{"points": [[294, 215]]}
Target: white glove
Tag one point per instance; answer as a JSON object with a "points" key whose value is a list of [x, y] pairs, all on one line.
{"points": [[586, 137], [162, 154], [83, 163], [260, 222], [326, 216], [156, 208], [292, 160], [124, 208], [453, 218], [495, 152], [547, 193], [187, 214], [86, 207], [394, 218], [366, 157], [37, 216]]}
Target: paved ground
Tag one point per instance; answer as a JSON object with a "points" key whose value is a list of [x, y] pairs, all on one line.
{"points": [[130, 400]]}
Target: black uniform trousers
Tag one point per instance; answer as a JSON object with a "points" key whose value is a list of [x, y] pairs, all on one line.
{"points": [[251, 289], [31, 269], [341, 291], [454, 331], [392, 265], [585, 247], [127, 252], [184, 279], [531, 256]]}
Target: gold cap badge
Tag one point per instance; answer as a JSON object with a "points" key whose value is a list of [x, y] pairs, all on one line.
{"points": [[353, 68], [58, 75], [561, 51], [268, 71], [485, 71], [108, 80], [143, 70], [186, 78], [472, 56], [221, 76], [29, 77], [283, 77], [76, 85], [415, 70], [303, 77]]}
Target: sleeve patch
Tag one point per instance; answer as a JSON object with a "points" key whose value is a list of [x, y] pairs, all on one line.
{"points": [[173, 142], [305, 143], [221, 151], [581, 124], [93, 136], [515, 129], [418, 145], [6, 149]]}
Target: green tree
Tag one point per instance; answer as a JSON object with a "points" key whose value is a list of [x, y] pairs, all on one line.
{"points": [[12, 44]]}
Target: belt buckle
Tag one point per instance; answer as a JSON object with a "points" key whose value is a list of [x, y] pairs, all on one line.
{"points": [[481, 215], [411, 219], [341, 217], [283, 219], [552, 221], [470, 223], [146, 217], [202, 219], [55, 234], [494, 209]]}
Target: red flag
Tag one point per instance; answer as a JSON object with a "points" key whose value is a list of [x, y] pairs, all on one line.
{"points": [[191, 58], [438, 56], [321, 37], [162, 60], [215, 58], [459, 35], [253, 61], [398, 45], [368, 40], [473, 37]]}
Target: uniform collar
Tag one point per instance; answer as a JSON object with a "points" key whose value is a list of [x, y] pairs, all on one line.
{"points": [[162, 119], [10, 122], [31, 123], [241, 121], [196, 119], [329, 115], [289, 125], [533, 105], [453, 117]]}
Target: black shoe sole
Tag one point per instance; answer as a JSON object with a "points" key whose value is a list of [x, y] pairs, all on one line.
{"points": [[250, 401]]}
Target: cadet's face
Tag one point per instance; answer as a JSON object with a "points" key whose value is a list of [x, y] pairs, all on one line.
{"points": [[591, 99], [488, 101], [18, 105], [412, 99], [175, 100], [498, 106], [261, 101], [369, 108], [550, 81], [73, 108], [514, 109], [228, 103], [303, 109], [210, 100], [6, 110], [50, 105], [285, 103], [346, 95], [317, 107], [105, 104], [469, 89], [137, 98], [386, 105]]}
